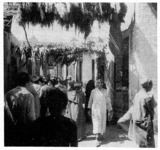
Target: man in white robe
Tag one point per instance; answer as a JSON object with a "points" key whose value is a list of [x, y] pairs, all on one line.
{"points": [[141, 110], [99, 103]]}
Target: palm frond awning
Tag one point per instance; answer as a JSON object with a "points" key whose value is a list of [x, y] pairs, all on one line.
{"points": [[67, 55], [81, 15], [90, 45]]}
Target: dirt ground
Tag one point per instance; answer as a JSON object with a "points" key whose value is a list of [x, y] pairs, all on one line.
{"points": [[114, 137]]}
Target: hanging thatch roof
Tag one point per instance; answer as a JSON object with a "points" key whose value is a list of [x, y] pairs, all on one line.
{"points": [[81, 15], [65, 53]]}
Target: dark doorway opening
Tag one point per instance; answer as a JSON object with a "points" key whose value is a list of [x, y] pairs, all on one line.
{"points": [[125, 72], [93, 69], [100, 66]]}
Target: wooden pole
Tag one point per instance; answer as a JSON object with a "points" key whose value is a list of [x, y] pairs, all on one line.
{"points": [[26, 35]]}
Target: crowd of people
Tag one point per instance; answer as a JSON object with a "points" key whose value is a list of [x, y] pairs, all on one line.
{"points": [[54, 112], [44, 112]]}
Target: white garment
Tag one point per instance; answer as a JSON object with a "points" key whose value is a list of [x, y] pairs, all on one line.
{"points": [[136, 112], [35, 90], [139, 101], [99, 102]]}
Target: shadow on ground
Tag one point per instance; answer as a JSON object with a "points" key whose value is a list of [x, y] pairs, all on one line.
{"points": [[90, 138], [113, 134]]}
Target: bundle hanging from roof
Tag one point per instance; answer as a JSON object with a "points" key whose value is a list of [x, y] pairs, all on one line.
{"points": [[81, 15]]}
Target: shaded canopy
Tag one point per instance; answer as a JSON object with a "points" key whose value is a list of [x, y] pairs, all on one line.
{"points": [[81, 15], [67, 53]]}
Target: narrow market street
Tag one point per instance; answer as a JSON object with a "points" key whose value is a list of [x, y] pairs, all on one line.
{"points": [[78, 67], [114, 137]]}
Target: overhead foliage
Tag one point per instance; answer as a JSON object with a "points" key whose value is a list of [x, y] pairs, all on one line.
{"points": [[59, 58], [62, 54], [122, 12], [81, 15]]}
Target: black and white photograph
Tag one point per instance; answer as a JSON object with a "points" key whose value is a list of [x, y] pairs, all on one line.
{"points": [[80, 74]]}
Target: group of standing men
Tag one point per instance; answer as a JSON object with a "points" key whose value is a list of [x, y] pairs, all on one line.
{"points": [[28, 102], [45, 113], [33, 107]]}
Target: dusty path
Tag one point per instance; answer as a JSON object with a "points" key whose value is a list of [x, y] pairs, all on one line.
{"points": [[114, 137]]}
